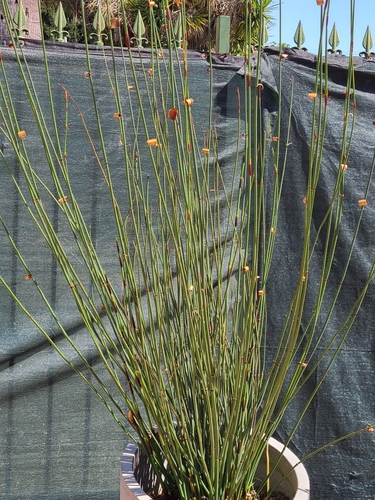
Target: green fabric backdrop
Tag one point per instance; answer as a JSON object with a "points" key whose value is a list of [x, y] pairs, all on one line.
{"points": [[56, 439]]}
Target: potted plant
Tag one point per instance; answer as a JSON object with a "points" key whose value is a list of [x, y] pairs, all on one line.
{"points": [[181, 327]]}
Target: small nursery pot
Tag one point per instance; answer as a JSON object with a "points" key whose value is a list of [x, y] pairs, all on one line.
{"points": [[134, 465]]}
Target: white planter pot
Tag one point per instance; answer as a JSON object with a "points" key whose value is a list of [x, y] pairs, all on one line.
{"points": [[296, 485]]}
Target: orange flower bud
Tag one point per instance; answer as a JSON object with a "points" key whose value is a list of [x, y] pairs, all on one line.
{"points": [[189, 101], [312, 95], [319, 2], [21, 134], [64, 199], [205, 151], [172, 114], [115, 23], [117, 115], [362, 203], [152, 142]]}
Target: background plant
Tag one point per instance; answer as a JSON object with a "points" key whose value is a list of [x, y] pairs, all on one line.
{"points": [[181, 329], [197, 16], [200, 18]]}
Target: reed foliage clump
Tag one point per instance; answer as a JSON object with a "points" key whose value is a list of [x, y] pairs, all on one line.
{"points": [[180, 322]]}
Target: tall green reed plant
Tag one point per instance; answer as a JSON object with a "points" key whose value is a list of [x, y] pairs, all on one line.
{"points": [[181, 329]]}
